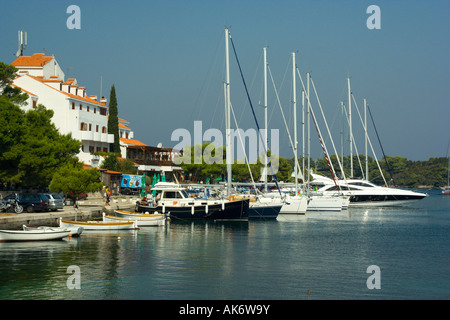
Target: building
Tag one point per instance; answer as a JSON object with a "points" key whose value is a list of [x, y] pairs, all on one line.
{"points": [[147, 159], [85, 116], [75, 112]]}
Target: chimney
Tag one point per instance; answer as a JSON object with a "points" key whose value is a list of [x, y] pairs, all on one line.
{"points": [[81, 91], [103, 100]]}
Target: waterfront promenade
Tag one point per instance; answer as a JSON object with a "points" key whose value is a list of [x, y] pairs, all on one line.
{"points": [[90, 209]]}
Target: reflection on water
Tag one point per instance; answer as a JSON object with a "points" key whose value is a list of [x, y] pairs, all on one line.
{"points": [[325, 253]]}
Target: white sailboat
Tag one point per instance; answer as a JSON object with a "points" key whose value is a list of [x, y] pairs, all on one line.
{"points": [[318, 201], [446, 189], [361, 191], [291, 204]]}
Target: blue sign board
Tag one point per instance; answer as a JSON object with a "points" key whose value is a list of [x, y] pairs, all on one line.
{"points": [[131, 181]]}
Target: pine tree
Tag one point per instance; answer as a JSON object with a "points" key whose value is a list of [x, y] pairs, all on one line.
{"points": [[113, 120]]}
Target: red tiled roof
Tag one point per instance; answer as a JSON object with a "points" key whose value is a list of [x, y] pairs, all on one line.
{"points": [[133, 142], [122, 126], [69, 94], [36, 60]]}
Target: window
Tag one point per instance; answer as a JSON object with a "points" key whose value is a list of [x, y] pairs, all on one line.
{"points": [[90, 126], [34, 103], [83, 126], [82, 148], [105, 149], [95, 110], [103, 111], [126, 135], [87, 108], [73, 105], [170, 195], [91, 149], [99, 149], [103, 129], [81, 106], [96, 127]]}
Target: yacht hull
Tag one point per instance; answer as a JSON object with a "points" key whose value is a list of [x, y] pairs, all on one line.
{"points": [[226, 210]]}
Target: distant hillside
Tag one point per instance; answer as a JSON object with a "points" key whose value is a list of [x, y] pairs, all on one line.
{"points": [[396, 170]]}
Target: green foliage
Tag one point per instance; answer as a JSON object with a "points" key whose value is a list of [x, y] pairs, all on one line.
{"points": [[12, 128], [202, 161], [113, 120], [113, 162], [397, 171], [12, 94], [32, 147], [198, 168], [7, 74], [72, 178]]}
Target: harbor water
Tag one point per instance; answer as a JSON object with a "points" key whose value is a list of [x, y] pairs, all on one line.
{"points": [[314, 256]]}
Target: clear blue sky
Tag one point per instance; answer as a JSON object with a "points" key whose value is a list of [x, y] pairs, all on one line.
{"points": [[166, 60]]}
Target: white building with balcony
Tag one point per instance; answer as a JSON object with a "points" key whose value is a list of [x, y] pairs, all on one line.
{"points": [[85, 117]]}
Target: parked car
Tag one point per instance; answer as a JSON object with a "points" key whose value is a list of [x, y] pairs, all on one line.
{"points": [[31, 202], [55, 201]]}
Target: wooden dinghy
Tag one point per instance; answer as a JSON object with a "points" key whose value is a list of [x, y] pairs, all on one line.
{"points": [[99, 225], [141, 222], [34, 235], [74, 231], [139, 215]]}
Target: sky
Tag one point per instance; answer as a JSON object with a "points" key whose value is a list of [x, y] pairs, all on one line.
{"points": [[166, 60]]}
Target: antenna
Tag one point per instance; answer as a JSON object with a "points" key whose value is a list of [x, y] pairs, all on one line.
{"points": [[22, 43]]}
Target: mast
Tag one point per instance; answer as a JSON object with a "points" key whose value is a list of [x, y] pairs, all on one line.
{"points": [[265, 118], [365, 144], [308, 129], [350, 126], [294, 101], [342, 134], [303, 138], [228, 114]]}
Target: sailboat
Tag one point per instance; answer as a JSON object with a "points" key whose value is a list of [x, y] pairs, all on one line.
{"points": [[174, 201], [270, 203], [446, 189], [361, 191], [318, 201]]}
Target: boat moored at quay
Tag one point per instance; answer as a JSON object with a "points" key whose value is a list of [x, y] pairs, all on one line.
{"points": [[173, 200], [364, 193], [34, 234]]}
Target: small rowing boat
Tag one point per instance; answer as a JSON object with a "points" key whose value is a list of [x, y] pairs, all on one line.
{"points": [[34, 235], [99, 225], [140, 221], [74, 231], [138, 215]]}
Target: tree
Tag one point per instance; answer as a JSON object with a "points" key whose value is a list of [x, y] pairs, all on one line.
{"points": [[32, 147], [12, 128], [115, 163], [74, 179], [113, 120], [12, 94], [7, 73]]}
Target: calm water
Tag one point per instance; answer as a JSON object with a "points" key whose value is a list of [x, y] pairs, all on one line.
{"points": [[325, 253]]}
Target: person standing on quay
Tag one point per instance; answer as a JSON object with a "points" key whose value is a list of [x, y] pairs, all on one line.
{"points": [[108, 196]]}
